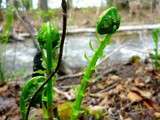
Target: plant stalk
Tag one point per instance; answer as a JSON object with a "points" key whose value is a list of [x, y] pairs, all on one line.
{"points": [[86, 77], [49, 84], [64, 7]]}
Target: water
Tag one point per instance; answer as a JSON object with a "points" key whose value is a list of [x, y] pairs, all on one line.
{"points": [[19, 56]]}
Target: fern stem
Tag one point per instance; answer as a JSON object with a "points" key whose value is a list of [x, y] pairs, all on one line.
{"points": [[49, 69], [87, 75]]}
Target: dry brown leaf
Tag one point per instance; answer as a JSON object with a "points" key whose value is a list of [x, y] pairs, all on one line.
{"points": [[144, 93], [100, 86], [128, 119], [134, 97], [123, 96], [151, 105], [96, 108], [139, 70], [115, 77], [3, 90], [157, 114], [139, 83], [119, 87], [138, 95]]}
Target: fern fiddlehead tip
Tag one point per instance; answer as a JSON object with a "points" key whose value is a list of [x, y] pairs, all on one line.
{"points": [[108, 22], [48, 31]]}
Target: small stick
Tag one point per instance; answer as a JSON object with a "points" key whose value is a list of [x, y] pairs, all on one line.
{"points": [[29, 28], [69, 97]]}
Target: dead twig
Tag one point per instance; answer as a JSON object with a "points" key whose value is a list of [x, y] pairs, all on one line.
{"points": [[29, 28], [70, 76], [65, 94], [110, 86]]}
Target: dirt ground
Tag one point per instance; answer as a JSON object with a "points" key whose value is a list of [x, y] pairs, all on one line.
{"points": [[128, 91]]}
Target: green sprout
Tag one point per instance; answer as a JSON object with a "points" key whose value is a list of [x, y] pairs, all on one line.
{"points": [[2, 77], [107, 24], [4, 38], [7, 28], [156, 56], [48, 38], [27, 91]]}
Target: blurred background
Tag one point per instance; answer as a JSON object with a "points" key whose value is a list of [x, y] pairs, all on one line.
{"points": [[21, 19]]}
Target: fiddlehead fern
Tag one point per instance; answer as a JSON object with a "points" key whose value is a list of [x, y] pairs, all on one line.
{"points": [[48, 38], [64, 8], [108, 23]]}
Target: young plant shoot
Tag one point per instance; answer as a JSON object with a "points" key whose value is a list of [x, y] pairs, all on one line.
{"points": [[107, 24], [156, 56], [48, 38], [9, 20]]}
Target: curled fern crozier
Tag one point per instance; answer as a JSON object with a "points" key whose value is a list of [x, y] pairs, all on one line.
{"points": [[108, 22]]}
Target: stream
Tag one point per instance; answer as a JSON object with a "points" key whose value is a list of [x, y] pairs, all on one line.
{"points": [[18, 57]]}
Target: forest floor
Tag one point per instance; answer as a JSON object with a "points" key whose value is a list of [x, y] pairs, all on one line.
{"points": [[128, 91], [87, 17]]}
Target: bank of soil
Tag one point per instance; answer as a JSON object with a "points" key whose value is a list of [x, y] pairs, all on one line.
{"points": [[129, 91]]}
